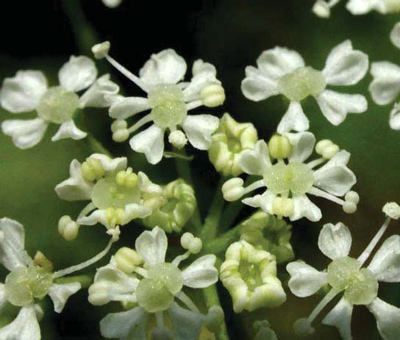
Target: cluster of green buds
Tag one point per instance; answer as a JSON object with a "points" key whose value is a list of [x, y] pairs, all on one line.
{"points": [[268, 233], [176, 208], [228, 143], [250, 276]]}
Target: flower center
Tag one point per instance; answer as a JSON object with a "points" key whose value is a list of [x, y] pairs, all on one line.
{"points": [[108, 194], [250, 273], [25, 284], [294, 177], [58, 105], [168, 106], [359, 284], [156, 292], [301, 83]]}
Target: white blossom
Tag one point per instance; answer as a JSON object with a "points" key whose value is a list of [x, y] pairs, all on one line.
{"points": [[29, 91], [150, 286], [289, 179], [168, 99], [347, 275], [283, 71], [112, 3]]}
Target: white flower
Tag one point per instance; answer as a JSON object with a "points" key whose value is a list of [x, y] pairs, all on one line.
{"points": [[112, 3], [289, 179], [26, 284], [346, 275], [169, 99], [117, 194], [283, 71], [142, 280], [29, 91]]}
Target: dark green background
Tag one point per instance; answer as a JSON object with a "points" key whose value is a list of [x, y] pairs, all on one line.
{"points": [[230, 34]]}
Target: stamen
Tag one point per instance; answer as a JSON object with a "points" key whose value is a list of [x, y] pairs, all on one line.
{"points": [[141, 271], [187, 301], [316, 162], [176, 262], [254, 186], [86, 210], [193, 105], [328, 298], [140, 123], [320, 193]]}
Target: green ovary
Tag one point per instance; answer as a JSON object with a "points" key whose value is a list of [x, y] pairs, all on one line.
{"points": [[250, 273], [25, 284], [168, 106], [303, 82], [108, 194], [156, 292], [58, 105], [360, 285], [294, 177]]}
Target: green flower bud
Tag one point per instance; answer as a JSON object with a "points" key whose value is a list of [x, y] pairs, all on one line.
{"points": [[228, 143], [176, 208]]}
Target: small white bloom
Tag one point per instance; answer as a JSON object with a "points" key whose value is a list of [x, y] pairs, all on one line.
{"points": [[283, 71], [143, 279], [29, 91], [112, 3], [289, 179], [168, 99], [346, 275], [117, 195]]}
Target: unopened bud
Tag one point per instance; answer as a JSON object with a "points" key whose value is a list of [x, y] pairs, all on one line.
{"points": [[178, 139], [233, 189], [127, 260], [101, 50], [68, 228], [279, 147], [213, 95]]}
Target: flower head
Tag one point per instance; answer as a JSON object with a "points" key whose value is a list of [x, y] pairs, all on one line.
{"points": [[29, 91], [283, 71], [117, 195], [250, 277], [346, 275], [150, 286], [289, 179], [168, 99]]}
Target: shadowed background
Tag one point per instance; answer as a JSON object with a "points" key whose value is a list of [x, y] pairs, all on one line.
{"points": [[230, 34]]}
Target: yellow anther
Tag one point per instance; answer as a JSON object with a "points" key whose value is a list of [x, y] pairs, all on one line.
{"points": [[326, 148], [127, 260], [42, 261], [115, 216], [283, 206], [92, 169], [213, 95], [127, 178], [279, 147]]}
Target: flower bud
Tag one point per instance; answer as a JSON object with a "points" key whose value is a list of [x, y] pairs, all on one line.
{"points": [[101, 50], [279, 147], [326, 149], [127, 260], [321, 9], [233, 189], [68, 228], [213, 95], [177, 139], [392, 210]]}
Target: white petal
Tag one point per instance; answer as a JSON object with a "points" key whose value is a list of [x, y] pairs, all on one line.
{"points": [[25, 133], [263, 201], [305, 280], [386, 84], [150, 142], [293, 119], [96, 95], [386, 262], [256, 161], [394, 120], [23, 92], [303, 207], [3, 299], [257, 85], [387, 319], [334, 241], [61, 293], [134, 211], [198, 130], [165, 67], [75, 188], [340, 317], [152, 246], [345, 66], [359, 7], [395, 35], [12, 244], [68, 130], [148, 186], [128, 107], [24, 327], [129, 325], [185, 323], [77, 74], [335, 106], [302, 144], [110, 165], [201, 273]]}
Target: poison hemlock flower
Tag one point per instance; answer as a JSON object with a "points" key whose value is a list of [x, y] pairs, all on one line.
{"points": [[150, 287], [264, 331], [117, 195], [268, 233], [228, 143], [283, 71], [250, 277], [112, 3], [289, 179], [29, 91], [29, 281], [176, 209], [346, 275], [385, 87], [169, 99]]}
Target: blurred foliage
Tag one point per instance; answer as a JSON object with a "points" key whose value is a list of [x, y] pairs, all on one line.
{"points": [[230, 34]]}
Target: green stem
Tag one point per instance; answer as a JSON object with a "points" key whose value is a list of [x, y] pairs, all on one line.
{"points": [[84, 280], [220, 244], [212, 299], [95, 146]]}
